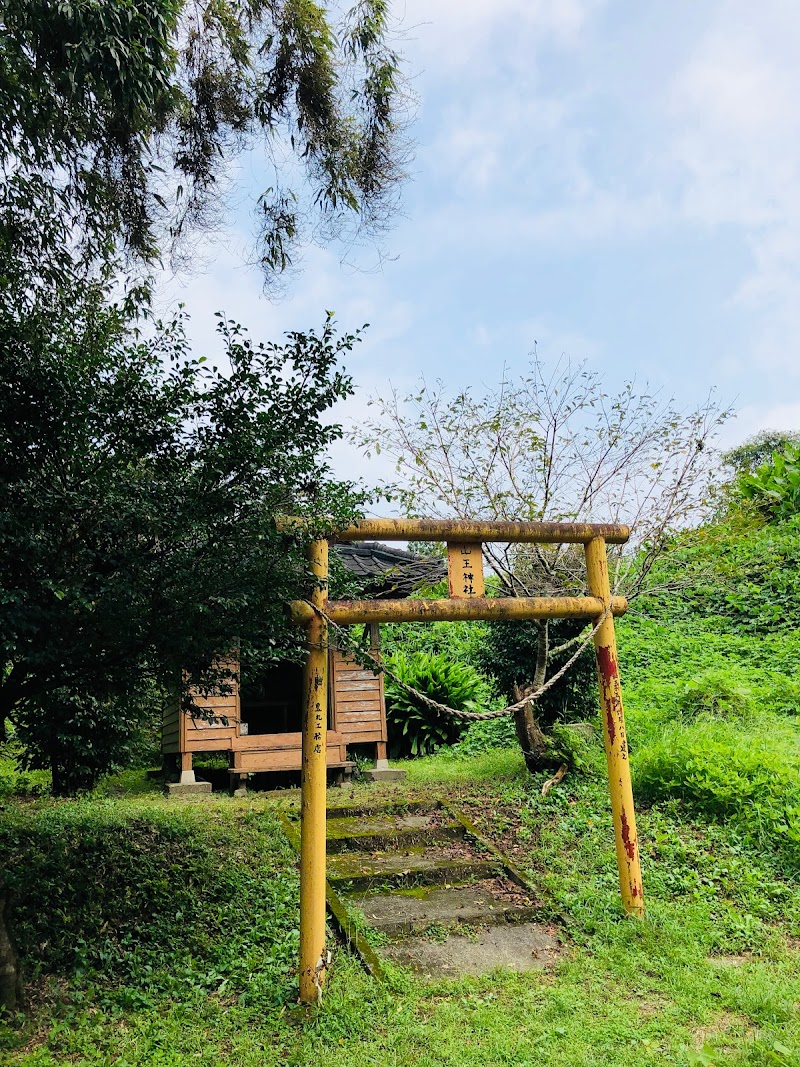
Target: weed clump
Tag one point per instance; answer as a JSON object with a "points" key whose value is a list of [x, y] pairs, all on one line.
{"points": [[750, 777], [716, 692]]}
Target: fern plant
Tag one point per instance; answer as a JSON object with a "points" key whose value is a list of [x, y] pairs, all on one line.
{"points": [[416, 729]]}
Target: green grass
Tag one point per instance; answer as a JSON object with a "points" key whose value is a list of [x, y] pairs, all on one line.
{"points": [[496, 763], [194, 938]]}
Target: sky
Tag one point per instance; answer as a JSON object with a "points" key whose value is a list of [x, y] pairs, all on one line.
{"points": [[616, 182]]}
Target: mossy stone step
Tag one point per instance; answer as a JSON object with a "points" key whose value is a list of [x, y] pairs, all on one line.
{"points": [[387, 832], [407, 912], [382, 807], [360, 871], [526, 947]]}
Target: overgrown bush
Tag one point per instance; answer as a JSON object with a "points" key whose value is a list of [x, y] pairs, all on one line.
{"points": [[415, 729], [782, 694], [461, 642], [752, 777], [15, 781], [735, 574], [484, 736], [168, 901], [774, 487], [716, 692]]}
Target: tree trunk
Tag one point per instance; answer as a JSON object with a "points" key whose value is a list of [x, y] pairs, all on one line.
{"points": [[533, 741], [63, 783], [542, 648], [9, 969]]}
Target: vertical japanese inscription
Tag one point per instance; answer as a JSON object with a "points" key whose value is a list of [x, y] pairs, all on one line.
{"points": [[319, 724], [465, 571]]}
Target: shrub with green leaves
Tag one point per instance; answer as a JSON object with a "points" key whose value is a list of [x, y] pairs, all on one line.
{"points": [[169, 901], [716, 692], [485, 736], [750, 776], [416, 729], [735, 574], [774, 487], [459, 641]]}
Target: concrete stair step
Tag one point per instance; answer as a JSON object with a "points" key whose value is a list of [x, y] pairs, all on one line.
{"points": [[387, 831], [399, 807], [414, 911], [526, 947], [359, 871]]}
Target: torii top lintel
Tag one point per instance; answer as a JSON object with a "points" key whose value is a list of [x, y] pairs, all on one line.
{"points": [[478, 530]]}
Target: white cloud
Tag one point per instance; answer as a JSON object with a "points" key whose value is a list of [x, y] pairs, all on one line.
{"points": [[736, 142], [452, 31], [557, 125]]}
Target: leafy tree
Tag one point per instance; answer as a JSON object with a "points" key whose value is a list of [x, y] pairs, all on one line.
{"points": [[550, 446], [121, 119], [138, 489], [758, 449]]}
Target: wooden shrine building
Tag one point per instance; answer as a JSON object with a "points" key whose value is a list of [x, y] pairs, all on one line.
{"points": [[258, 724]]}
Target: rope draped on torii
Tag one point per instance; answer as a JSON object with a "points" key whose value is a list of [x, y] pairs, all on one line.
{"points": [[464, 539]]}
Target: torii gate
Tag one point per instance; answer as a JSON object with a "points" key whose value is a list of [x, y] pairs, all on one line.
{"points": [[464, 539]]}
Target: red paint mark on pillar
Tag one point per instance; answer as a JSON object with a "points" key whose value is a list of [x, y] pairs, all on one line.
{"points": [[607, 662], [612, 730], [630, 845], [609, 681]]}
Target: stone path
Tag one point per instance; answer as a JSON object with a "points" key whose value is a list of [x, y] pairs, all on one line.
{"points": [[440, 899]]}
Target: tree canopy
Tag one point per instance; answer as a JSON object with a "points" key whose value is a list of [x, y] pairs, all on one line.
{"points": [[139, 484], [552, 445], [119, 122], [758, 449], [138, 491]]}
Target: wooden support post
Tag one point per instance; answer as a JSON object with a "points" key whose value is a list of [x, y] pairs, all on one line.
{"points": [[313, 955], [619, 772]]}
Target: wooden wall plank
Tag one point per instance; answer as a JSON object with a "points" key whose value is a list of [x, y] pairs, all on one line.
{"points": [[356, 729], [348, 718], [288, 760], [357, 687], [279, 742], [208, 744], [370, 708]]}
